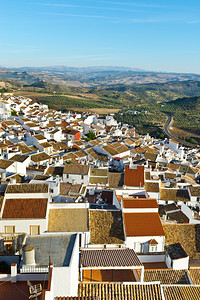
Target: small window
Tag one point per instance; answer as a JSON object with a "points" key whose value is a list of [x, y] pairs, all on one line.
{"points": [[152, 248], [9, 229], [82, 176], [34, 229]]}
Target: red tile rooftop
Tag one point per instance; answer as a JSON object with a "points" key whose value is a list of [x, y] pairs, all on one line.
{"points": [[143, 224], [140, 203], [155, 266], [134, 176]]}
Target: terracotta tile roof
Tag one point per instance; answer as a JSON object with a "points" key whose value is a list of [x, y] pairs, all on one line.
{"points": [[134, 176], [150, 156], [140, 203], [140, 150], [70, 131], [163, 209], [79, 143], [174, 194], [68, 220], [9, 143], [178, 216], [152, 187], [109, 258], [195, 275], [95, 142], [41, 177], [45, 145], [9, 123], [4, 164], [40, 157], [76, 169], [106, 227], [113, 291], [115, 180], [69, 189], [181, 292], [17, 177], [57, 170], [143, 224], [60, 146], [24, 148], [112, 151], [25, 208], [71, 156], [195, 190], [99, 172], [153, 242], [129, 141], [167, 276], [39, 137], [27, 188], [170, 175], [119, 147], [91, 152], [80, 154], [3, 145], [190, 179], [98, 180], [147, 175], [187, 234], [173, 166], [18, 158], [31, 125]]}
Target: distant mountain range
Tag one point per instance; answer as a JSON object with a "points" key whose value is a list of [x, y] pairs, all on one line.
{"points": [[65, 69], [92, 76]]}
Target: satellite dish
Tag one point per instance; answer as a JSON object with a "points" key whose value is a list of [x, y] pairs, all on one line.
{"points": [[34, 290]]}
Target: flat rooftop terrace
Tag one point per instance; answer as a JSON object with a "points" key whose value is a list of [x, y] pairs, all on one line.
{"points": [[54, 248]]}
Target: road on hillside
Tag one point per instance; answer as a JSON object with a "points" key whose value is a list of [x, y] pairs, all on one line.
{"points": [[166, 130]]}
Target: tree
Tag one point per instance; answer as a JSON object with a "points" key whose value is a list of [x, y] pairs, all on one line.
{"points": [[13, 113], [91, 135]]}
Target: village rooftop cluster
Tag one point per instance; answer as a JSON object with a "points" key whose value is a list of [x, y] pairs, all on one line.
{"points": [[88, 208]]}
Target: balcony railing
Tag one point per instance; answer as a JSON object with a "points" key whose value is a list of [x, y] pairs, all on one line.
{"points": [[34, 269]]}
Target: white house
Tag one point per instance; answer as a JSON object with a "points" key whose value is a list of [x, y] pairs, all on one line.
{"points": [[75, 173], [142, 225], [25, 208]]}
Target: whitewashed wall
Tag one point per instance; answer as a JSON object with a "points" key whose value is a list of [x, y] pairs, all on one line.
{"points": [[137, 243], [23, 225]]}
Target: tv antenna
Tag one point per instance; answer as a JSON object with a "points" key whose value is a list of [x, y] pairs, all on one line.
{"points": [[34, 290]]}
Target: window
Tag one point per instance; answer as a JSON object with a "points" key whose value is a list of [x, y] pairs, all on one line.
{"points": [[82, 176], [34, 229], [152, 248], [9, 229]]}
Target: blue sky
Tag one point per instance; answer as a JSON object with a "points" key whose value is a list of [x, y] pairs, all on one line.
{"points": [[154, 35]]}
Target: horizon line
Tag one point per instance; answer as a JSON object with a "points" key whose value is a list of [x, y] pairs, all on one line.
{"points": [[136, 69]]}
